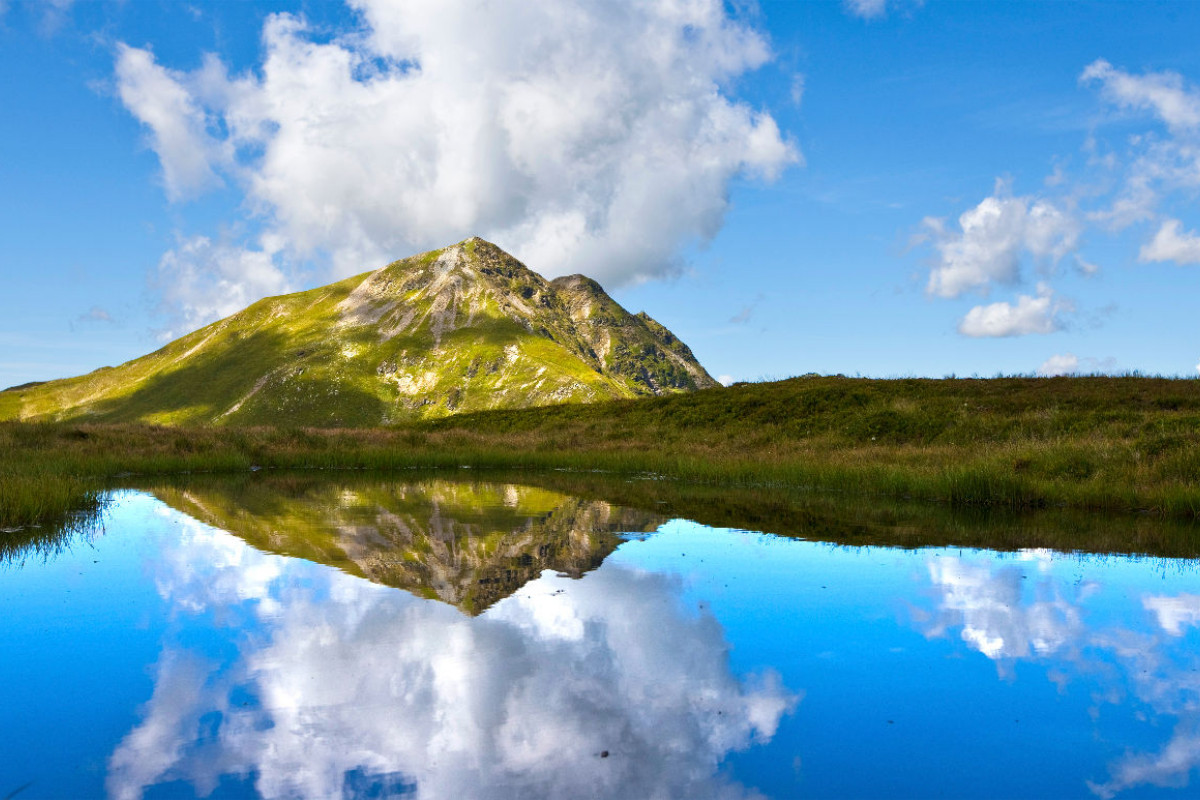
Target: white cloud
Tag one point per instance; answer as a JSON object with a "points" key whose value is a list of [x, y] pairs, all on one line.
{"points": [[157, 97], [725, 380], [1156, 165], [1174, 613], [202, 281], [1172, 244], [519, 702], [1170, 767], [1063, 364], [992, 238], [1071, 364], [994, 619], [95, 314], [867, 9], [1029, 315], [1007, 617], [799, 83], [582, 137], [1130, 183], [1162, 93], [1086, 267]]}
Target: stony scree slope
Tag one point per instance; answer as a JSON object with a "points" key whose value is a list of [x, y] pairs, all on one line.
{"points": [[464, 328]]}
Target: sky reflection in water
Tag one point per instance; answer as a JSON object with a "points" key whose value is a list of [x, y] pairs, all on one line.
{"points": [[171, 658]]}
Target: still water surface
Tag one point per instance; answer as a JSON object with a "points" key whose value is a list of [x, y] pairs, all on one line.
{"points": [[451, 639]]}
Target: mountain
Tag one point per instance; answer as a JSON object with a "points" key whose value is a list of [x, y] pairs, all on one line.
{"points": [[464, 328], [468, 544]]}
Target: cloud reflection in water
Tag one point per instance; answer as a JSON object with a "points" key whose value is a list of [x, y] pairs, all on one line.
{"points": [[336, 677], [1008, 616]]}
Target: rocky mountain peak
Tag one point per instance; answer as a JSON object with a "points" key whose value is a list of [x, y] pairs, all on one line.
{"points": [[463, 328]]}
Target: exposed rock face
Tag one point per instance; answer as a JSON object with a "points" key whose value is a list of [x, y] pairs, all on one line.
{"points": [[464, 328]]}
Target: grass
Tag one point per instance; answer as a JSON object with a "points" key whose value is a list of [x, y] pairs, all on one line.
{"points": [[1118, 444]]}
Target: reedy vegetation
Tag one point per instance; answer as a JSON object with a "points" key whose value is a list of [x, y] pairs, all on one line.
{"points": [[1096, 443]]}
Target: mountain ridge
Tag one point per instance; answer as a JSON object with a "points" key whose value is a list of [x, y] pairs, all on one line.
{"points": [[466, 327]]}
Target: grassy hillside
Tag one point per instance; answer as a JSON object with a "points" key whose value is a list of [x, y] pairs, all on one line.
{"points": [[1113, 444], [464, 328]]}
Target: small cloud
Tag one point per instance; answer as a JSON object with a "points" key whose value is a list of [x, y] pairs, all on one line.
{"points": [[1071, 364], [1086, 267], [878, 9], [96, 314], [92, 317], [1198, 367], [798, 86], [1029, 315], [1172, 244], [744, 316], [54, 14], [867, 9], [725, 380], [1063, 364], [1174, 614], [1162, 93], [1056, 178]]}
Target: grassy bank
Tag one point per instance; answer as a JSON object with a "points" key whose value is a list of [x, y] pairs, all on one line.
{"points": [[1108, 444]]}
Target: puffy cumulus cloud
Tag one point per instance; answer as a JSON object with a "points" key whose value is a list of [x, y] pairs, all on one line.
{"points": [[201, 280], [1171, 243], [1061, 364], [991, 239], [1128, 182], [583, 137], [1163, 93], [1029, 315], [177, 124], [352, 679]]}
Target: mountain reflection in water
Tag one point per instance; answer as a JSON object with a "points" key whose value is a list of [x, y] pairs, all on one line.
{"points": [[612, 689], [467, 544]]}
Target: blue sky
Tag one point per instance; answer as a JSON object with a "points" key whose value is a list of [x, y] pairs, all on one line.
{"points": [[876, 188]]}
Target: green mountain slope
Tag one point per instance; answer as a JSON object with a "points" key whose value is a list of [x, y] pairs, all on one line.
{"points": [[464, 328]]}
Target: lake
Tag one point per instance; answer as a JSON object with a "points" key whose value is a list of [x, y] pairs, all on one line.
{"points": [[475, 636]]}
